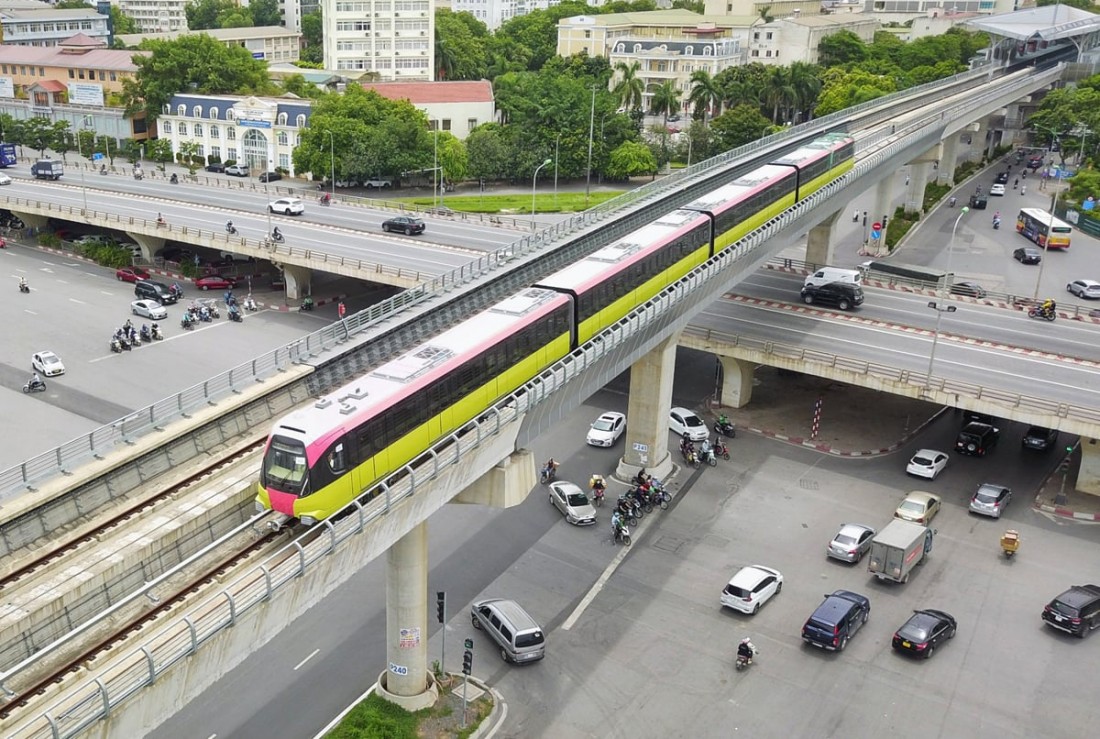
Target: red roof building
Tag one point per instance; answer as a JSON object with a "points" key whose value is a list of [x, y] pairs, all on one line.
{"points": [[458, 107]]}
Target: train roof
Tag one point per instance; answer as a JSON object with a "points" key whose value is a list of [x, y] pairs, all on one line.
{"points": [[411, 372]]}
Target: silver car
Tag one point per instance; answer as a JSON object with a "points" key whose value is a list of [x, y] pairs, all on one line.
{"points": [[990, 500], [851, 542], [573, 503]]}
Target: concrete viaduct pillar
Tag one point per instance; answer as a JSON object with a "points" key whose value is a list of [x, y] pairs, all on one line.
{"points": [[736, 381], [1088, 477], [298, 279], [919, 172], [32, 220], [819, 241], [647, 415], [949, 159], [405, 681], [883, 207], [150, 245]]}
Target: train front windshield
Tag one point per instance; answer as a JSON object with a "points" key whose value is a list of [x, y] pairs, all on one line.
{"points": [[285, 467]]}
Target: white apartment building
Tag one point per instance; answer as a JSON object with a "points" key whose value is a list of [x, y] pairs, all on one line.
{"points": [[492, 13], [393, 38], [668, 44], [262, 132], [49, 27], [795, 39], [270, 43], [886, 10], [156, 16]]}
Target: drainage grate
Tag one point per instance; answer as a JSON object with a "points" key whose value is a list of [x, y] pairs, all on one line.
{"points": [[669, 543], [808, 484]]}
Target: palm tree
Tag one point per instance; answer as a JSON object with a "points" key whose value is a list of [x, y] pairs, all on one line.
{"points": [[444, 58], [807, 86], [665, 101], [779, 93], [630, 89], [706, 95]]}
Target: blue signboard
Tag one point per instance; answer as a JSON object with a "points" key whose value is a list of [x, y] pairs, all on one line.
{"points": [[97, 156], [257, 55]]}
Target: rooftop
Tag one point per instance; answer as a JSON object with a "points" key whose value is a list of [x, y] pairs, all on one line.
{"points": [[674, 17], [829, 21], [47, 14], [70, 56], [221, 34], [1050, 23], [422, 93]]}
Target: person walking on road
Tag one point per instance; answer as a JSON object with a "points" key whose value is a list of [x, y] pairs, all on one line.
{"points": [[341, 310]]}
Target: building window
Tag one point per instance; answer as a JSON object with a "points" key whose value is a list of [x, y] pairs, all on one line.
{"points": [[216, 152], [113, 77], [41, 71], [213, 113], [689, 51], [231, 134], [300, 122], [166, 126], [231, 154], [196, 111], [281, 120], [283, 139], [215, 132], [471, 124], [768, 36], [230, 114], [183, 128], [198, 129], [284, 161], [102, 76], [181, 111], [79, 73], [756, 36], [201, 152]]}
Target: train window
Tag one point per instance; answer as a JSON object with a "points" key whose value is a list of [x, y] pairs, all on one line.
{"points": [[337, 459], [285, 466]]}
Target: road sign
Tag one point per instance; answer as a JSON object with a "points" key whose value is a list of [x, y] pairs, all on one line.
{"points": [[96, 156], [876, 226], [876, 235]]}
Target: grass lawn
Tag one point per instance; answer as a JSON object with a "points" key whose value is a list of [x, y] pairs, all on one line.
{"points": [[565, 202]]}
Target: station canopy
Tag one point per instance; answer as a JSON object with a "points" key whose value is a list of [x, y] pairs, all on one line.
{"points": [[1048, 23]]}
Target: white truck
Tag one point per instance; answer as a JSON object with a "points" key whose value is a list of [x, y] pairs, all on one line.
{"points": [[898, 548]]}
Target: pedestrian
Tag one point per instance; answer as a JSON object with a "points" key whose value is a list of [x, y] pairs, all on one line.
{"points": [[341, 309], [1023, 189], [907, 180], [855, 216], [1015, 183]]}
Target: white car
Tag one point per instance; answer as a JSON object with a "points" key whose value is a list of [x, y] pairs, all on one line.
{"points": [[148, 309], [997, 189], [287, 206], [682, 421], [48, 363], [751, 587], [606, 429], [927, 463], [1088, 289], [572, 502], [4, 179]]}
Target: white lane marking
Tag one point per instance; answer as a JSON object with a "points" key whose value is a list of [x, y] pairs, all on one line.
{"points": [[307, 659], [74, 300], [598, 585], [63, 282]]}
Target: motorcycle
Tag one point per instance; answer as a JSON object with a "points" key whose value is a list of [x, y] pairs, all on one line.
{"points": [[24, 287], [125, 343], [116, 345], [103, 169], [175, 180], [34, 387], [307, 305], [249, 304], [139, 175], [235, 316], [231, 229], [187, 323], [725, 427], [744, 661], [996, 223], [135, 340], [721, 450], [1010, 540], [277, 237], [706, 454], [157, 333], [146, 335], [325, 199], [621, 535], [690, 457], [1037, 312], [549, 473], [597, 486]]}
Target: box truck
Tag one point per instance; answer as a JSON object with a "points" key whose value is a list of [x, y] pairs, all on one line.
{"points": [[898, 548], [48, 169]]}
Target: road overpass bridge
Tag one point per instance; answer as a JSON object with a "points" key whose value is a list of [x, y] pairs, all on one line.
{"points": [[492, 458]]}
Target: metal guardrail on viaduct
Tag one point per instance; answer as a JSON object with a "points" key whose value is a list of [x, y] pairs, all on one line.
{"points": [[210, 620]]}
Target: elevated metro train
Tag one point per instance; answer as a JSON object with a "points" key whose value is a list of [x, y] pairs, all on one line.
{"points": [[319, 458]]}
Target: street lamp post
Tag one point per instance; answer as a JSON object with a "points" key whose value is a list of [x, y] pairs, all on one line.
{"points": [[940, 307], [435, 165], [591, 133], [534, 182], [332, 164], [557, 148], [1053, 208]]}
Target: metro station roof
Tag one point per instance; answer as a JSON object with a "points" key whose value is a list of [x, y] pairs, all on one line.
{"points": [[1048, 23]]}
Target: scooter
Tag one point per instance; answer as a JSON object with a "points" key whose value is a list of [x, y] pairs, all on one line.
{"points": [[721, 450], [1037, 312], [157, 333], [146, 335], [307, 305], [231, 229], [706, 454], [235, 316], [725, 428], [138, 175], [249, 304], [621, 534], [24, 287], [743, 661], [34, 387], [549, 473], [996, 223], [175, 180], [277, 237], [116, 345]]}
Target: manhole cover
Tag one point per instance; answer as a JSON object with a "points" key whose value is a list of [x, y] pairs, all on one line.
{"points": [[669, 543], [719, 542], [808, 484]]}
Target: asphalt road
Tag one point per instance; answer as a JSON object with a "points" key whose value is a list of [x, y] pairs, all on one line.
{"points": [[72, 310], [652, 653]]}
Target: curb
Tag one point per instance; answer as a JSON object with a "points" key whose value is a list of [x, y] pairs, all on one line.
{"points": [[1065, 512]]}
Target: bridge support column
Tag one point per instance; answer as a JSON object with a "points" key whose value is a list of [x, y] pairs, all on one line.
{"points": [[405, 681], [1088, 477], [32, 220], [150, 245], [883, 208], [298, 283], [647, 415], [736, 381], [505, 485], [949, 159], [819, 241], [980, 129], [919, 173]]}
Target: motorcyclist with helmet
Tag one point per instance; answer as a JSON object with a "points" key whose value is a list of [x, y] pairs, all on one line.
{"points": [[745, 651]]}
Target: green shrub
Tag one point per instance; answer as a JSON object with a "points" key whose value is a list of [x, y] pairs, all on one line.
{"points": [[49, 239]]}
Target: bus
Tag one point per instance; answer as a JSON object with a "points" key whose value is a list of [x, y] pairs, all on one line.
{"points": [[1034, 224]]}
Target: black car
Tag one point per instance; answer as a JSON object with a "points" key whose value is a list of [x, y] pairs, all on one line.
{"points": [[1027, 255], [924, 631], [977, 439], [1040, 439], [270, 177], [1002, 178], [1076, 611], [843, 295], [836, 620], [405, 224], [978, 202], [215, 167]]}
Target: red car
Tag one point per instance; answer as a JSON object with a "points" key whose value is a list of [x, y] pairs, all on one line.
{"points": [[215, 282], [131, 274]]}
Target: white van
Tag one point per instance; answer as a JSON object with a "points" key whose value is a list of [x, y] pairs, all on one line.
{"points": [[825, 275]]}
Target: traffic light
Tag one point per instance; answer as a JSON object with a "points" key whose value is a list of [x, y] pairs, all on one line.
{"points": [[467, 661], [441, 606], [469, 644]]}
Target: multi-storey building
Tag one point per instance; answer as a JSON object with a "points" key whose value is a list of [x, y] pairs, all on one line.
{"points": [[156, 16], [888, 10], [270, 43], [393, 38], [458, 107], [261, 132], [490, 12], [784, 41], [51, 26], [667, 44], [78, 80]]}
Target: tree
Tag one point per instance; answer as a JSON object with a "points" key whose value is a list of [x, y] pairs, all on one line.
{"points": [[630, 88], [805, 80], [629, 159], [841, 48], [695, 6], [203, 14], [296, 84], [61, 138], [313, 37], [461, 46], [197, 63], [489, 153], [665, 100], [738, 126], [706, 95], [779, 94], [845, 89], [536, 31], [188, 155], [121, 22], [159, 151], [265, 12], [37, 133]]}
